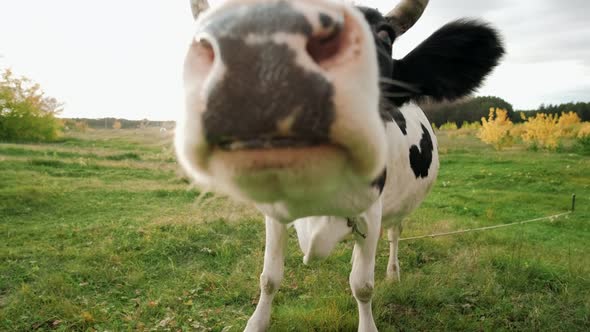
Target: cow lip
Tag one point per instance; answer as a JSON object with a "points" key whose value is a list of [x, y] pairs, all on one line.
{"points": [[271, 143]]}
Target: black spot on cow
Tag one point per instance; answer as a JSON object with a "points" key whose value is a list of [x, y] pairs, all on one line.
{"points": [[379, 183], [391, 113], [421, 158]]}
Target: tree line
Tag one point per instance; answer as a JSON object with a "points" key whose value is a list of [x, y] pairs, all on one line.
{"points": [[582, 109], [474, 108]]}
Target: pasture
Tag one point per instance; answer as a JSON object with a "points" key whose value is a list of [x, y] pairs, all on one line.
{"points": [[101, 233]]}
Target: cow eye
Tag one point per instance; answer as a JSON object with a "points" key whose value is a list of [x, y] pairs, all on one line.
{"points": [[384, 36]]}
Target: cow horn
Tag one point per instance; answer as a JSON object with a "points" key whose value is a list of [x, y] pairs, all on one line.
{"points": [[199, 6], [406, 14]]}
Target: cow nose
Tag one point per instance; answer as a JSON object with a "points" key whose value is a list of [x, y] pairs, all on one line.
{"points": [[261, 72]]}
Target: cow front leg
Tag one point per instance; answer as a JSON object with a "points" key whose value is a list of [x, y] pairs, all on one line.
{"points": [[272, 274], [393, 235], [362, 277]]}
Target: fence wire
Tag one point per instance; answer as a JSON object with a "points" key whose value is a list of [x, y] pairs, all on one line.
{"points": [[479, 229]]}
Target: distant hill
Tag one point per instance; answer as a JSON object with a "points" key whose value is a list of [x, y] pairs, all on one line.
{"points": [[468, 109]]}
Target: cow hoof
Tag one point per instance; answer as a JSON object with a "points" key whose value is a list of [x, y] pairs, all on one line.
{"points": [[372, 328], [255, 328], [256, 325], [369, 329], [392, 277]]}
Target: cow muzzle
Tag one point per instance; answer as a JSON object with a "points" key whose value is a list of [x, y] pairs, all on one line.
{"points": [[278, 92]]}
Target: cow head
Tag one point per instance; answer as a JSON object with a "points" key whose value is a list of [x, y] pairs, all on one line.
{"points": [[283, 100]]}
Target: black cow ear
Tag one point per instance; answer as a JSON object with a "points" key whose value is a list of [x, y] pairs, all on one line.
{"points": [[452, 62]]}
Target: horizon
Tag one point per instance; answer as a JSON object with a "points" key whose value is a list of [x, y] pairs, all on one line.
{"points": [[173, 120], [108, 65]]}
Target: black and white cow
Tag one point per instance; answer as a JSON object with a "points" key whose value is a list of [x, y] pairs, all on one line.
{"points": [[298, 107]]}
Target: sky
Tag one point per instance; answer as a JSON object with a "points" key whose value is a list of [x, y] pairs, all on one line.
{"points": [[114, 58]]}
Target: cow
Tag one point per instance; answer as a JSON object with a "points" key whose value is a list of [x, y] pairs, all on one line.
{"points": [[299, 108]]}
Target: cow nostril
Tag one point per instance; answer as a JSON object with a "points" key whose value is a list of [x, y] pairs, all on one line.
{"points": [[205, 50], [199, 60], [325, 46]]}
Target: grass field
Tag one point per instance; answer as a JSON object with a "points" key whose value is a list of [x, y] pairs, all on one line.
{"points": [[100, 232]]}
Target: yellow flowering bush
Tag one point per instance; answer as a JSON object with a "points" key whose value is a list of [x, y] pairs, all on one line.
{"points": [[569, 124], [569, 118], [517, 130], [496, 129], [543, 131], [584, 130]]}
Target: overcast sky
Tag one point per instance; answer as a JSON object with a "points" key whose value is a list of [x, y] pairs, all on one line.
{"points": [[123, 58]]}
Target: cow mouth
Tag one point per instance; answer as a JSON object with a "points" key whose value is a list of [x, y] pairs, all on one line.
{"points": [[267, 143]]}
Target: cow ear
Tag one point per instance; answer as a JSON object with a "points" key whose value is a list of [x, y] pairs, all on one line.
{"points": [[452, 62]]}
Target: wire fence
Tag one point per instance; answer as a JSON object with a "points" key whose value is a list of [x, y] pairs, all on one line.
{"points": [[487, 228]]}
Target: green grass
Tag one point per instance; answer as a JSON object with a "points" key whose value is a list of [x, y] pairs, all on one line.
{"points": [[100, 232]]}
